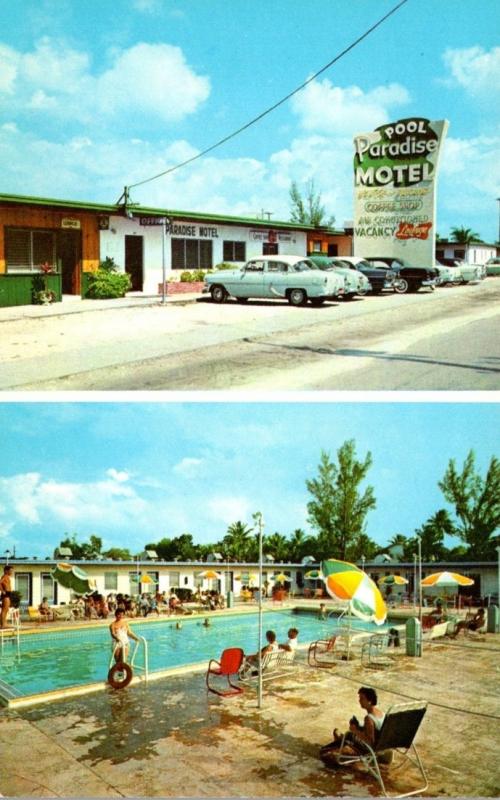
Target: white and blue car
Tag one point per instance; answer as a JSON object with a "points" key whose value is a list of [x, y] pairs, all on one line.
{"points": [[292, 278]]}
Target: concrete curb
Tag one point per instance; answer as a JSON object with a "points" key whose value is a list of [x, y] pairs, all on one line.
{"points": [[78, 306]]}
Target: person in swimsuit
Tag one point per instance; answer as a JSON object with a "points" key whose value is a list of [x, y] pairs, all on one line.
{"points": [[6, 593], [120, 632], [357, 734]]}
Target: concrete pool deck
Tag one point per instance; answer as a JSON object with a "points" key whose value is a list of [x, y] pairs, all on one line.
{"points": [[171, 739]]}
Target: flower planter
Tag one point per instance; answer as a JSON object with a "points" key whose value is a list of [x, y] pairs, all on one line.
{"points": [[182, 288]]}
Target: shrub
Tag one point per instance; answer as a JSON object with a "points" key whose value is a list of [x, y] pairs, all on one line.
{"points": [[193, 276], [186, 277], [104, 284], [15, 599], [108, 265]]}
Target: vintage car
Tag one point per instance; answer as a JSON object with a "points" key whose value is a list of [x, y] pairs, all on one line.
{"points": [[356, 283], [462, 272], [493, 266], [448, 275], [411, 278], [292, 278], [380, 278]]}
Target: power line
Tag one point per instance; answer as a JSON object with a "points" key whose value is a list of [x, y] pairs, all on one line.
{"points": [[271, 108]]}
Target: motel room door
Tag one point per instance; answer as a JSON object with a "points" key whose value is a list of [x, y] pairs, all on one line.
{"points": [[134, 261], [69, 248]]}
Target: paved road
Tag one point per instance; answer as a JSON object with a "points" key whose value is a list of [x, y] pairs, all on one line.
{"points": [[447, 339]]}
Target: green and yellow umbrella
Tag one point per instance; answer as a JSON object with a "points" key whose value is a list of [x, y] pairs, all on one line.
{"points": [[313, 575], [72, 577], [345, 581], [392, 580]]}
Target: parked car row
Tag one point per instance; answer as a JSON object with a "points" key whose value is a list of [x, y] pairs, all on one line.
{"points": [[318, 278]]}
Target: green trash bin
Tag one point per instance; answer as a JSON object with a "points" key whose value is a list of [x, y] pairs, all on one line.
{"points": [[229, 600], [493, 619], [413, 637]]}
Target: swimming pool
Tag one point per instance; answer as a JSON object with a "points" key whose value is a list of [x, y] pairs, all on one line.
{"points": [[58, 660]]}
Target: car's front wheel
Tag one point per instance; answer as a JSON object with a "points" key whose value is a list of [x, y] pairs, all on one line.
{"points": [[297, 297], [218, 294], [401, 286]]}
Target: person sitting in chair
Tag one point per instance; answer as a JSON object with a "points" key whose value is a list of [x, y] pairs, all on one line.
{"points": [[45, 611], [292, 643], [474, 624], [252, 661], [357, 734]]}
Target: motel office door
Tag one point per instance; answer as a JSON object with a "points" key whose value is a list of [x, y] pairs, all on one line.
{"points": [[134, 261], [69, 248]]}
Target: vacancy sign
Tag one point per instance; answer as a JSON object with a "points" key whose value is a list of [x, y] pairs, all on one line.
{"points": [[395, 170]]}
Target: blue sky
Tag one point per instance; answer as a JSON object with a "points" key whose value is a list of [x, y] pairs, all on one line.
{"points": [[135, 472], [104, 93]]}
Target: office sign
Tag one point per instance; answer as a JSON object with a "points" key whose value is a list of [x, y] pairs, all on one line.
{"points": [[395, 172]]}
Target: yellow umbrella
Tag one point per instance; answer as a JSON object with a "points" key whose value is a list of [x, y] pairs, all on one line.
{"points": [[281, 577], [146, 579], [211, 574]]}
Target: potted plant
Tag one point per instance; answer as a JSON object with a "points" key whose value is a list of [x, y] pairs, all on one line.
{"points": [[42, 295]]}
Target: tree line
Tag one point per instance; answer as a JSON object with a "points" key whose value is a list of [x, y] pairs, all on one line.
{"points": [[339, 505]]}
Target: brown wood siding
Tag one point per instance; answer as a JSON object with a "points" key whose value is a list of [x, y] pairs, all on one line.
{"points": [[26, 217], [343, 242]]}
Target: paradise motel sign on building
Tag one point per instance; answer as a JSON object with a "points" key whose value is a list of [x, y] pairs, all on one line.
{"points": [[395, 171]]}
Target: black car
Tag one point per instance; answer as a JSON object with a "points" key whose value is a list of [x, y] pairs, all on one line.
{"points": [[411, 278]]}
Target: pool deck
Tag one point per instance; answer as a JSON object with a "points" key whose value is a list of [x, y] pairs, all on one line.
{"points": [[171, 739]]}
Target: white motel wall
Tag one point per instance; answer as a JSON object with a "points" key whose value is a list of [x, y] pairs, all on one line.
{"points": [[192, 244]]}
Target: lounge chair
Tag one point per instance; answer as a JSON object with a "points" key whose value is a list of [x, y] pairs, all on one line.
{"points": [[229, 664], [34, 614], [436, 632], [321, 653], [397, 733], [273, 665], [375, 652]]}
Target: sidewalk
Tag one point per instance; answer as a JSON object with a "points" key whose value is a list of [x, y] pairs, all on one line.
{"points": [[73, 304]]}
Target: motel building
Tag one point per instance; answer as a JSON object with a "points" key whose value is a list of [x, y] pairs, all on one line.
{"points": [[72, 237], [33, 578]]}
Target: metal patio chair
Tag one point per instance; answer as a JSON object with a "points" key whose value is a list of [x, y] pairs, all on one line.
{"points": [[229, 664]]}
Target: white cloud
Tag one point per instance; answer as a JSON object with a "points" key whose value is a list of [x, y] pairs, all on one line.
{"points": [[475, 69], [188, 467], [34, 499], [325, 108], [229, 509], [118, 475], [146, 79]]}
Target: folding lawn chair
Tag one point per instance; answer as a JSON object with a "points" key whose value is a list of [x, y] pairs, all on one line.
{"points": [[397, 733]]}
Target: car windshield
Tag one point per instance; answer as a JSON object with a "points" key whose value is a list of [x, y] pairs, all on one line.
{"points": [[301, 266]]}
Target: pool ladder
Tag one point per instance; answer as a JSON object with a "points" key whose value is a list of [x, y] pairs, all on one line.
{"points": [[144, 667], [11, 634]]}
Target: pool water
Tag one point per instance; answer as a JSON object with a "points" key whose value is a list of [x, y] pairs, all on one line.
{"points": [[58, 660]]}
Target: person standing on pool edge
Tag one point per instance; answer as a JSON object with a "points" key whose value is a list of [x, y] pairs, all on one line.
{"points": [[120, 632], [6, 592]]}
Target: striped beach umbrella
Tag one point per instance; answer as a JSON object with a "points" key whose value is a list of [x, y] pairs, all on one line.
{"points": [[446, 580], [392, 580], [211, 574], [72, 577], [345, 581], [313, 575]]}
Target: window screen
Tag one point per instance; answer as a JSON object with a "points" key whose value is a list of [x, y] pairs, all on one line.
{"points": [[234, 251], [27, 250]]}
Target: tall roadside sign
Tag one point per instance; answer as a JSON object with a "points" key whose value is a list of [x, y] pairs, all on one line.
{"points": [[395, 171]]}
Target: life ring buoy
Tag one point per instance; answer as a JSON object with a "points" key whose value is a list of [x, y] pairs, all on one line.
{"points": [[124, 671]]}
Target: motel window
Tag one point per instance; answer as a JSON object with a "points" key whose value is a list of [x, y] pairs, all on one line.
{"points": [[191, 254], [234, 251], [174, 579], [49, 587], [269, 249], [23, 582], [316, 247], [27, 250], [110, 581]]}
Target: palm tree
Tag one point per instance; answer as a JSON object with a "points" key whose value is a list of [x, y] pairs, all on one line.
{"points": [[236, 542], [278, 545], [298, 545], [464, 235]]}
